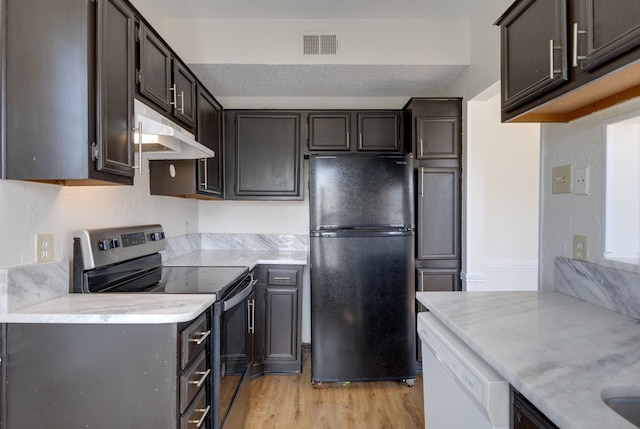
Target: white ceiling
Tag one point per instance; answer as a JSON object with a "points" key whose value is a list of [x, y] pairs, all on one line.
{"points": [[326, 80], [315, 9]]}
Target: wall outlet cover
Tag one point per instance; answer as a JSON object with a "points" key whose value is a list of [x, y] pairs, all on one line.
{"points": [[580, 247], [44, 247]]}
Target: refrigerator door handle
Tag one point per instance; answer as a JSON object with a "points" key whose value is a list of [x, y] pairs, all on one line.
{"points": [[421, 183]]}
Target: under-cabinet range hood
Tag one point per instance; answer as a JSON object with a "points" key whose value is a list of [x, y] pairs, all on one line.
{"points": [[164, 139]]}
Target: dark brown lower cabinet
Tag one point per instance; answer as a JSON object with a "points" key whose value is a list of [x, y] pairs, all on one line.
{"points": [[278, 335], [107, 376], [526, 416]]}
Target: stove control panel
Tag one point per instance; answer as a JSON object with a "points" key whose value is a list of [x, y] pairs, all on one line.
{"points": [[101, 247]]}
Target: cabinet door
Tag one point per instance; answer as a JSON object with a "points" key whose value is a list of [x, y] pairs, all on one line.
{"points": [[281, 323], [437, 137], [330, 131], [115, 66], [606, 30], [209, 169], [379, 131], [267, 156], [534, 50], [185, 88], [436, 280], [438, 224], [155, 70]]}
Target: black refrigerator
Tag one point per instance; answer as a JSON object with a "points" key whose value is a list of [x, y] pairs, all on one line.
{"points": [[362, 281]]}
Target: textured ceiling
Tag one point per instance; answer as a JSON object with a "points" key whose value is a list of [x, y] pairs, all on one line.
{"points": [[318, 80], [325, 80]]}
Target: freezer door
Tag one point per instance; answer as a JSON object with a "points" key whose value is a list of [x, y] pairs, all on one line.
{"points": [[360, 190], [362, 308]]}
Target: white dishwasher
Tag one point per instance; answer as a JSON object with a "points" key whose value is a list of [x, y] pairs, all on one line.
{"points": [[461, 391]]}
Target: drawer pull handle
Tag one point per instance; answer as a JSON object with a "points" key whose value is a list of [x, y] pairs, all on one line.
{"points": [[204, 375], [203, 337], [281, 278], [204, 414]]}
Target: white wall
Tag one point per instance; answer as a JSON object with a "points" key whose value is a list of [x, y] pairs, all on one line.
{"points": [[277, 41], [500, 216], [28, 208], [502, 181], [581, 144]]}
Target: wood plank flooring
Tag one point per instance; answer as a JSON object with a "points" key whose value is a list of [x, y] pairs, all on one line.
{"points": [[290, 401]]}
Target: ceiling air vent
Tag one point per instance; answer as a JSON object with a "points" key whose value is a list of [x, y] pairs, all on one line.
{"points": [[319, 43]]}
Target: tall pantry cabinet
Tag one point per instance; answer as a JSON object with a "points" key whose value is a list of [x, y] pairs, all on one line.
{"points": [[433, 126]]}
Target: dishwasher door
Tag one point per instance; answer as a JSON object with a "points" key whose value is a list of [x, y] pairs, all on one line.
{"points": [[461, 390]]}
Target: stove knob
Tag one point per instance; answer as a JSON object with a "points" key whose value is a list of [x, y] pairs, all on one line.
{"points": [[155, 236], [115, 242], [104, 244]]}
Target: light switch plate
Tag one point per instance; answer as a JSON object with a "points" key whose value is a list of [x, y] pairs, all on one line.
{"points": [[561, 179]]}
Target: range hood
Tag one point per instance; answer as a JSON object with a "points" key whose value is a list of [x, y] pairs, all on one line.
{"points": [[164, 139]]}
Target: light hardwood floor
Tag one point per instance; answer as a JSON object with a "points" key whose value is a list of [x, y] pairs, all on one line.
{"points": [[290, 401]]}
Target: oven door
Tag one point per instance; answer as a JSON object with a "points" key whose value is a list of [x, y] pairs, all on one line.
{"points": [[236, 342]]}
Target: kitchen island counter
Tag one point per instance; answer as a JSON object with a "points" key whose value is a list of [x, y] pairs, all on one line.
{"points": [[113, 309], [558, 351]]}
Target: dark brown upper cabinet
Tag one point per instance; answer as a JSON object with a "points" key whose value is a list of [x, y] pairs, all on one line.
{"points": [[185, 84], [329, 131], [378, 131], [262, 155], [164, 80], [154, 73], [534, 50], [210, 177], [354, 131], [592, 53], [437, 137], [605, 31], [71, 104], [194, 178]]}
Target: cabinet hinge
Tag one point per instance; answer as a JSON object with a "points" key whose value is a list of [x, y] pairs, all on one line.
{"points": [[138, 33], [95, 154]]}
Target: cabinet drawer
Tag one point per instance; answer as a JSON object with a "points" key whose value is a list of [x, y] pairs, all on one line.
{"points": [[192, 380], [197, 415], [283, 277], [193, 340]]}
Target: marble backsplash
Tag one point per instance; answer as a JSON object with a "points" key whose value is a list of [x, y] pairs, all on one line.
{"points": [[27, 285], [180, 246], [607, 287]]}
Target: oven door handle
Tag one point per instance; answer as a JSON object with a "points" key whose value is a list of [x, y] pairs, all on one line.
{"points": [[238, 298]]}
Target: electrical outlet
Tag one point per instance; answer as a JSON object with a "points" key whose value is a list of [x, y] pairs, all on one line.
{"points": [[580, 247], [44, 247]]}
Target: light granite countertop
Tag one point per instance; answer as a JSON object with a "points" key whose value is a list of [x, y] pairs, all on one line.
{"points": [[244, 258], [113, 308], [558, 351]]}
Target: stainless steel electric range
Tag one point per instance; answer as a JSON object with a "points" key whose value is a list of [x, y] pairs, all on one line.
{"points": [[127, 260]]}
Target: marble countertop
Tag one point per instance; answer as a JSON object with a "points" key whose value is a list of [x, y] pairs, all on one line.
{"points": [[244, 258], [558, 351], [147, 308], [113, 308]]}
